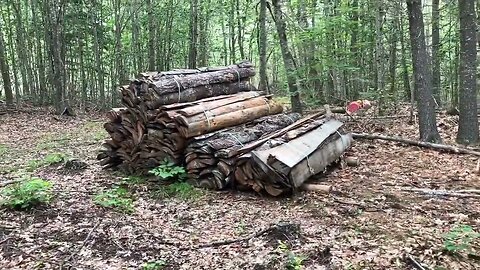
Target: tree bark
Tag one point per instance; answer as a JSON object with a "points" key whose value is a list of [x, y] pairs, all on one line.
{"points": [[288, 60], [151, 35], [192, 54], [468, 120], [262, 46], [5, 69], [423, 74], [436, 79]]}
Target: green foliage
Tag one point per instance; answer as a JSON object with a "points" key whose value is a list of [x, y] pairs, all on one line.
{"points": [[181, 190], [155, 265], [52, 141], [167, 170], [294, 262], [94, 131], [3, 149], [48, 160], [132, 180], [27, 194], [116, 198], [460, 239]]}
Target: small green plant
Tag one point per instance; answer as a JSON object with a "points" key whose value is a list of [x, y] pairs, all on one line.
{"points": [[294, 262], [3, 149], [51, 141], [241, 228], [27, 194], [48, 160], [181, 190], [155, 265], [167, 170], [117, 198], [132, 180], [460, 239]]}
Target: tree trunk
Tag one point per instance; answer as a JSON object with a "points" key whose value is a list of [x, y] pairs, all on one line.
{"points": [[5, 69], [288, 60], [468, 120], [422, 72], [192, 55], [379, 54], [151, 35], [406, 79], [97, 45], [262, 46], [436, 80]]}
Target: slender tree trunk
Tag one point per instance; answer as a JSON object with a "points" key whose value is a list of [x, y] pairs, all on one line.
{"points": [[436, 80], [42, 78], [21, 48], [5, 69], [406, 77], [379, 54], [423, 74], [468, 120], [288, 60], [353, 94], [192, 55], [231, 25], [240, 30], [262, 46], [97, 48], [151, 35]]}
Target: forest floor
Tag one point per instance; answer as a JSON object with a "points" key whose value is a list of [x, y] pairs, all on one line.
{"points": [[372, 222]]}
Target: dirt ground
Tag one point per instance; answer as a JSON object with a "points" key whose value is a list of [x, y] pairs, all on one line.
{"points": [[373, 221]]}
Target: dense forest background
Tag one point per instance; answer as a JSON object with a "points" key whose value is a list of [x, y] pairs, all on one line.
{"points": [[77, 52]]}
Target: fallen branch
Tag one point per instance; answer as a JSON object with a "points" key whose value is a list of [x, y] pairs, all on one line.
{"points": [[435, 146], [83, 244], [414, 263], [459, 193], [280, 227], [9, 182]]}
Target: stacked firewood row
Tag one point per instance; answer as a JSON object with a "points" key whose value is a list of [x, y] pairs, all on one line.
{"points": [[208, 160], [284, 160], [225, 132], [151, 90], [139, 145], [164, 109]]}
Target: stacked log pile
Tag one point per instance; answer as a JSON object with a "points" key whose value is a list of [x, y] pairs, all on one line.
{"points": [[207, 157], [151, 90], [284, 160], [227, 134], [140, 144]]}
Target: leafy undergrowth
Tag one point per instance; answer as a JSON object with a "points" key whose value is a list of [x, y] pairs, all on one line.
{"points": [[105, 220]]}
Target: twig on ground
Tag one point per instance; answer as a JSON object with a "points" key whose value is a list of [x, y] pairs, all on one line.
{"points": [[435, 146], [414, 262], [233, 241], [9, 182], [83, 244], [454, 193]]}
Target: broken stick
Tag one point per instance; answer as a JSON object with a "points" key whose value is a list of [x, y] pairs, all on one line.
{"points": [[435, 146]]}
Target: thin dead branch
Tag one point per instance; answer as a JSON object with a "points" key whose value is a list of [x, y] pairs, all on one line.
{"points": [[434, 146]]}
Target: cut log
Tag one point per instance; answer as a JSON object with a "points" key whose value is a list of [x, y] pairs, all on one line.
{"points": [[284, 163], [210, 153], [435, 146]]}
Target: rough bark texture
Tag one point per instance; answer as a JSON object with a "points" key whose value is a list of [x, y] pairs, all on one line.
{"points": [[422, 73], [436, 51], [262, 46], [283, 161], [207, 157], [4, 68], [141, 139], [468, 120], [288, 60]]}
